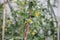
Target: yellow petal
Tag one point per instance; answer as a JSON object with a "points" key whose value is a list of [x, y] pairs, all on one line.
{"points": [[29, 21], [33, 33], [37, 14], [15, 0], [22, 3]]}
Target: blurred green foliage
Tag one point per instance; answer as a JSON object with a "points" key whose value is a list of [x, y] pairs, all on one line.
{"points": [[42, 22]]}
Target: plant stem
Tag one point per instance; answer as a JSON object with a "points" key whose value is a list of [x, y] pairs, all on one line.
{"points": [[3, 26]]}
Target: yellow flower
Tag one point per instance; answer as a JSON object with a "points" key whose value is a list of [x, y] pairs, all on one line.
{"points": [[29, 21], [33, 33], [15, 0], [37, 14], [22, 3]]}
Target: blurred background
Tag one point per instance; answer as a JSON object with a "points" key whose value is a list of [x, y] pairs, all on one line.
{"points": [[30, 19]]}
